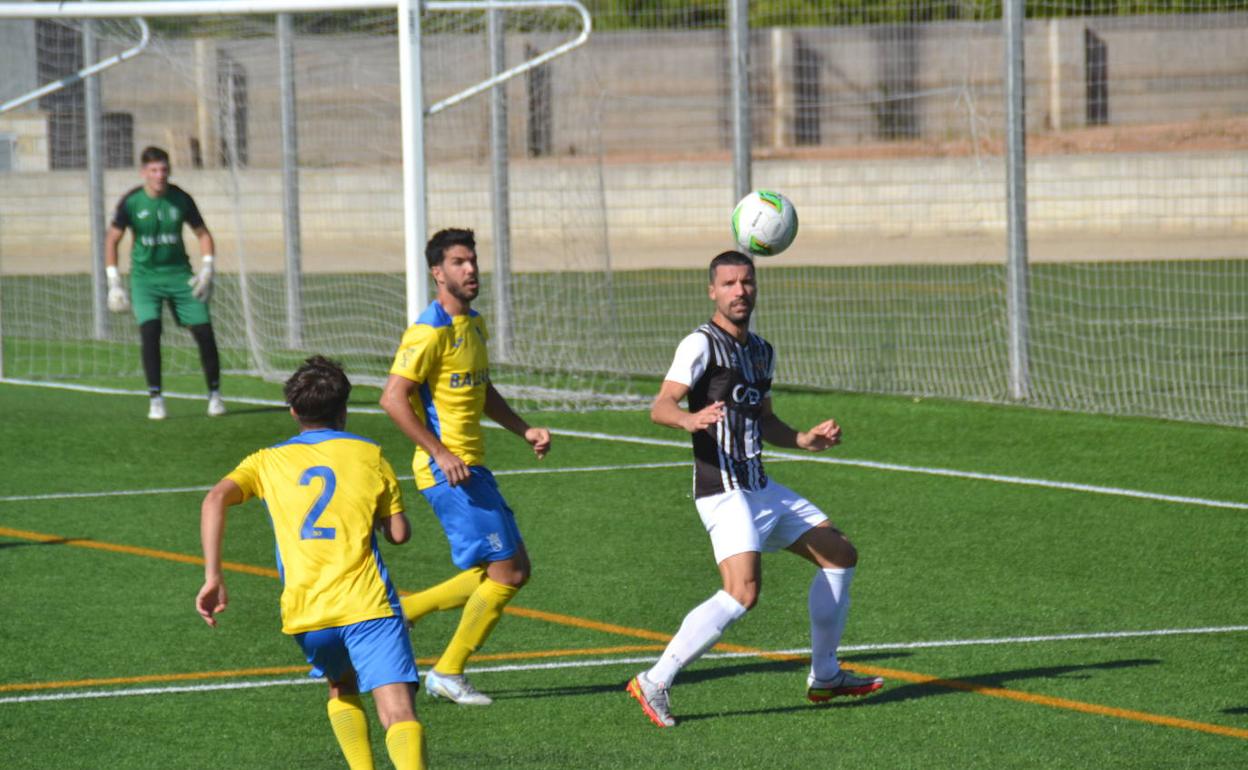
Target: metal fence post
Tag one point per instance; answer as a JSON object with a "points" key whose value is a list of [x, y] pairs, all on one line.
{"points": [[95, 180], [1016, 200], [500, 186], [739, 71], [290, 183]]}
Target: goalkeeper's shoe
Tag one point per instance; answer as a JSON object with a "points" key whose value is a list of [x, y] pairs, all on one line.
{"points": [[653, 700], [844, 683], [156, 408], [216, 404], [455, 688]]}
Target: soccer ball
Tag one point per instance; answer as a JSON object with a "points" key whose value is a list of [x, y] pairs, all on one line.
{"points": [[764, 223]]}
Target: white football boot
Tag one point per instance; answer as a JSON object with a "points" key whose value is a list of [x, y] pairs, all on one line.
{"points": [[455, 688]]}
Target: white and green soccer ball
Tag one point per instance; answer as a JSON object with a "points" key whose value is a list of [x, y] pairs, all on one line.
{"points": [[764, 223]]}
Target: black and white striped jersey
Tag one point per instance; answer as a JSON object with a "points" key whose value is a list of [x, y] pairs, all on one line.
{"points": [[717, 367]]}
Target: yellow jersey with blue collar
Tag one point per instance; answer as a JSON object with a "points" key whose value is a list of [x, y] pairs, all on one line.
{"points": [[325, 491], [447, 356]]}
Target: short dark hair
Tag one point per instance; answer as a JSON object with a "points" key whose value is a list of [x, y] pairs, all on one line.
{"points": [[152, 154], [318, 391], [730, 258], [435, 250]]}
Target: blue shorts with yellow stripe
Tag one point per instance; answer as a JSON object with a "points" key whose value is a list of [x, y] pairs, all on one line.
{"points": [[476, 519]]}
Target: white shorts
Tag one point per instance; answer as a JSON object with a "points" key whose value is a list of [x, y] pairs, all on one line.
{"points": [[767, 519]]}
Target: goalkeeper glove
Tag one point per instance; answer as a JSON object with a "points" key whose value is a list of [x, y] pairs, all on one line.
{"points": [[118, 302], [201, 283]]}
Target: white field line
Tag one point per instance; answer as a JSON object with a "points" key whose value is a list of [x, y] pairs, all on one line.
{"points": [[879, 466], [114, 493], [869, 464], [618, 661], [124, 392]]}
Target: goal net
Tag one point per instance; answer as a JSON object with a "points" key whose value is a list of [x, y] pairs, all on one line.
{"points": [[209, 90], [884, 123]]}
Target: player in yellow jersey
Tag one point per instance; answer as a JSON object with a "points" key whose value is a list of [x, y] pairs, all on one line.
{"points": [[328, 492], [439, 386]]}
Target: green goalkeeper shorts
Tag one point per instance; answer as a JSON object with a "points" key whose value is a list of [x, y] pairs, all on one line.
{"points": [[148, 291]]}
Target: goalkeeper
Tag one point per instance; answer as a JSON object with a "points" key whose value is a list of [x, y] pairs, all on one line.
{"points": [[160, 271]]}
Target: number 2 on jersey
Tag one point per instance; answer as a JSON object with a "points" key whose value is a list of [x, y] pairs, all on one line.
{"points": [[310, 531]]}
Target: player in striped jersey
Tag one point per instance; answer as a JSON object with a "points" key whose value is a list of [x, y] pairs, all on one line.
{"points": [[726, 373], [328, 493]]}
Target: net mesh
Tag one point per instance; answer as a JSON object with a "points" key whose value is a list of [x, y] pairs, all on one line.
{"points": [[883, 122]]}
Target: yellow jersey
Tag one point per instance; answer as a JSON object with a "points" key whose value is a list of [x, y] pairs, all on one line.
{"points": [[325, 491], [446, 355]]}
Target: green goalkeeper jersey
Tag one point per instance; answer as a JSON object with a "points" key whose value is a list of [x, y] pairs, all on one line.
{"points": [[157, 225]]}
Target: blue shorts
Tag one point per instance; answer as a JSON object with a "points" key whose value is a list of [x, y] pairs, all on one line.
{"points": [[378, 651], [475, 517]]}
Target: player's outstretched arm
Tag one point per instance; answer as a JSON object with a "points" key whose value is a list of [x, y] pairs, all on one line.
{"points": [[498, 410], [778, 433], [666, 409], [396, 403], [212, 597]]}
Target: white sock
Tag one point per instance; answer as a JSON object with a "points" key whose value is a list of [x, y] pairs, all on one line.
{"points": [[700, 630], [829, 607]]}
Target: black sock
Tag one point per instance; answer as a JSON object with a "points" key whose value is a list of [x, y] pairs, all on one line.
{"points": [[208, 356], [149, 343]]}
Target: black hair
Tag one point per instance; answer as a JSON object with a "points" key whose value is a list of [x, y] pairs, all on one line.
{"points": [[318, 392], [435, 250], [730, 258], [152, 154]]}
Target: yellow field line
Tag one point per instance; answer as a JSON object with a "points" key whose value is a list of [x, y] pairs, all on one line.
{"points": [[151, 553], [593, 625], [577, 622], [1051, 702], [577, 653]]}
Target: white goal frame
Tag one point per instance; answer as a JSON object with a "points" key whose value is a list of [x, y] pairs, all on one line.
{"points": [[415, 214]]}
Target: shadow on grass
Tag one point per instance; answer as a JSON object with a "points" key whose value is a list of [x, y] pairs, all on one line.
{"points": [[241, 410], [180, 414], [892, 693], [694, 676], [1236, 710], [909, 692]]}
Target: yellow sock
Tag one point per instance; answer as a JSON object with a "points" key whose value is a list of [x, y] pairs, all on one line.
{"points": [[446, 595], [350, 723], [481, 614], [406, 743]]}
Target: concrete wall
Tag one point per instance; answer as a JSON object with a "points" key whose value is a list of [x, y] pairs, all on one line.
{"points": [[17, 58], [24, 129], [1095, 207], [28, 134], [665, 93]]}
